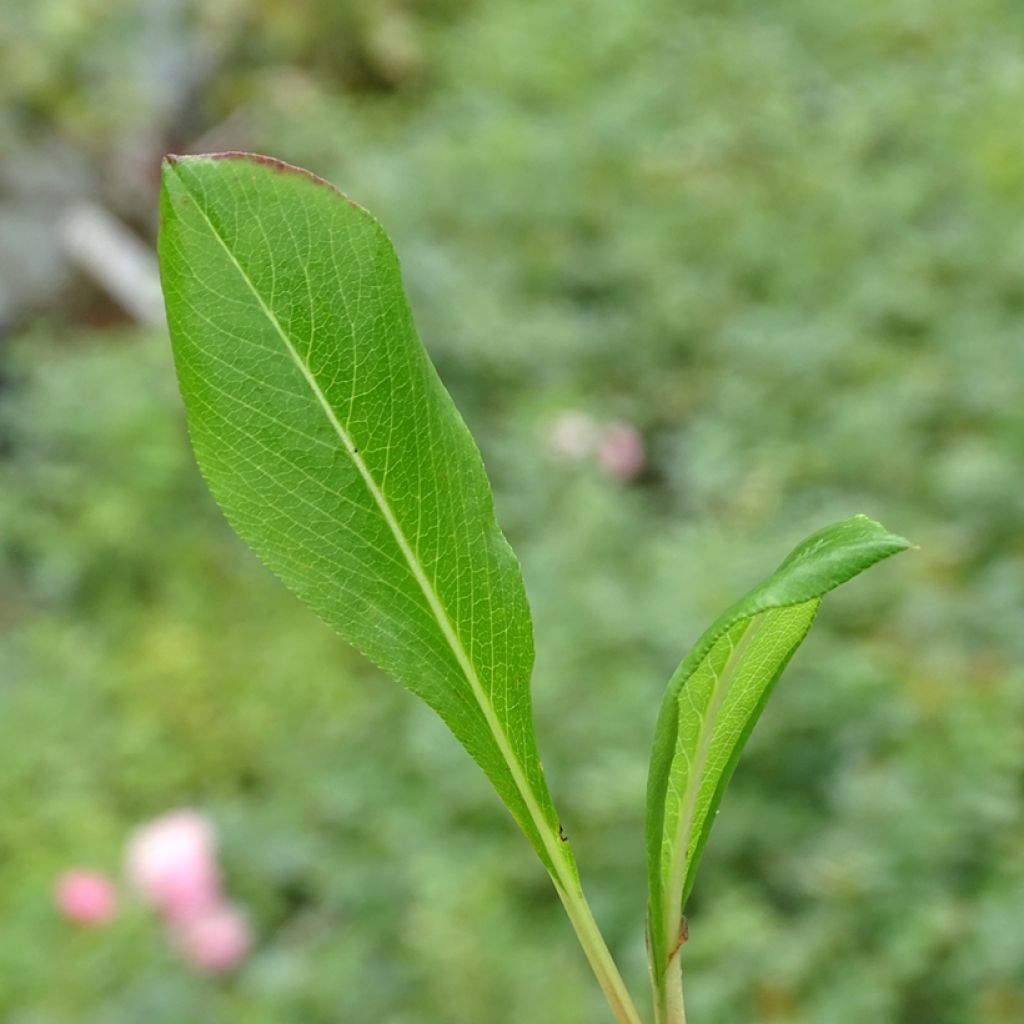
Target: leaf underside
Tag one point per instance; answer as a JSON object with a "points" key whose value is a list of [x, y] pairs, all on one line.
{"points": [[329, 441], [714, 700]]}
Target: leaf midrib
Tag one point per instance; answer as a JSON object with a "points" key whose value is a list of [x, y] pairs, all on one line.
{"points": [[684, 831], [437, 609]]}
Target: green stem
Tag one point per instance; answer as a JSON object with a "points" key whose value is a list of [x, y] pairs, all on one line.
{"points": [[597, 954], [674, 1000], [668, 994]]}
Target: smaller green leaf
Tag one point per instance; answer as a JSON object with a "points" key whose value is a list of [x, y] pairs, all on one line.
{"points": [[713, 702]]}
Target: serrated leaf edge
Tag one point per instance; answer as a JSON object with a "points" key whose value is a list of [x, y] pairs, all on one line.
{"points": [[563, 869]]}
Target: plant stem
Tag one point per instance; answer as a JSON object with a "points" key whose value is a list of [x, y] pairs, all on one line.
{"points": [[674, 1001], [597, 954], [668, 994]]}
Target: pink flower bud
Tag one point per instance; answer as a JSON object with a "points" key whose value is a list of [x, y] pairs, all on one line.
{"points": [[172, 863], [214, 941], [621, 451], [86, 897]]}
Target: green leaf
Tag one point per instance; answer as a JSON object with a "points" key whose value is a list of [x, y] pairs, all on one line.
{"points": [[326, 436], [714, 700]]}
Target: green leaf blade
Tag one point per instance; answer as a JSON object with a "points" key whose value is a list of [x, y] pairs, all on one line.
{"points": [[713, 702], [329, 441]]}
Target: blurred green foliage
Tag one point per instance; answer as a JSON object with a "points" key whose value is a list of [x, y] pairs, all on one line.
{"points": [[787, 243]]}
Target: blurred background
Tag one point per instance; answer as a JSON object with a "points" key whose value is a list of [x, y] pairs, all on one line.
{"points": [[701, 277]]}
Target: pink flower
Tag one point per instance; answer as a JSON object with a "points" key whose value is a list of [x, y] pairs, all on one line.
{"points": [[215, 940], [86, 897], [172, 862], [621, 450]]}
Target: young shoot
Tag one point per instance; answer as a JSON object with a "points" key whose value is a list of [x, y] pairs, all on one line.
{"points": [[328, 439]]}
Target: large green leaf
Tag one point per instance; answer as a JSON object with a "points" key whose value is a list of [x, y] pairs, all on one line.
{"points": [[326, 436], [713, 701]]}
